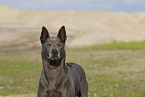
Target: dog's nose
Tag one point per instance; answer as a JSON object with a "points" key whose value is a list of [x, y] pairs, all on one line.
{"points": [[54, 52]]}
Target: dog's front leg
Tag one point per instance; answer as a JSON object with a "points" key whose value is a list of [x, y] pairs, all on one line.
{"points": [[42, 92], [43, 86]]}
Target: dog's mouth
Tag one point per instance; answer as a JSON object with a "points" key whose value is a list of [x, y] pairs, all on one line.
{"points": [[53, 58], [54, 61]]}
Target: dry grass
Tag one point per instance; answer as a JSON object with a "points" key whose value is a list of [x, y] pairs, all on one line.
{"points": [[109, 73], [116, 73]]}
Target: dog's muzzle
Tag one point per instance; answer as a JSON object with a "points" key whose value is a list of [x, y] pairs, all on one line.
{"points": [[54, 53], [54, 58]]}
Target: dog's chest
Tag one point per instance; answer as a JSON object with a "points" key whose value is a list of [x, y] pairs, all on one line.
{"points": [[54, 91], [55, 94]]}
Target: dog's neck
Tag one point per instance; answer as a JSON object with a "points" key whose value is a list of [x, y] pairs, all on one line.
{"points": [[53, 74], [50, 69]]}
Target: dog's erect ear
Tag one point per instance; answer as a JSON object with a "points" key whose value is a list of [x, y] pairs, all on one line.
{"points": [[44, 34], [62, 34]]}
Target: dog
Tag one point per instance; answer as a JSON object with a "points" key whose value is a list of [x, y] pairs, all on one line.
{"points": [[59, 79]]}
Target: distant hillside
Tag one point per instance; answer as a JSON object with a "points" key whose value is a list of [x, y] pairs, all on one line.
{"points": [[85, 28]]}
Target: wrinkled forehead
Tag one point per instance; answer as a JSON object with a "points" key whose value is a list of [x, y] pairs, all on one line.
{"points": [[53, 40]]}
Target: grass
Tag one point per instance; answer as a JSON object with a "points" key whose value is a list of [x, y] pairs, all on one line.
{"points": [[18, 74], [110, 73], [116, 73], [113, 70], [132, 45]]}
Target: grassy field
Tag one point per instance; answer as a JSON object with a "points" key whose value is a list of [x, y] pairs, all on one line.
{"points": [[110, 73], [131, 45]]}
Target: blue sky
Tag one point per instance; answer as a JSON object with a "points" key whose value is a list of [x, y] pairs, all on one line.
{"points": [[129, 6]]}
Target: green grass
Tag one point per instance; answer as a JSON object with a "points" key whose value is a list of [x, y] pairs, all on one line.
{"points": [[18, 73], [133, 45], [117, 73]]}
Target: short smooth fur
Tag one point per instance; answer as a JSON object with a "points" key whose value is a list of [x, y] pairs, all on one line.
{"points": [[59, 79]]}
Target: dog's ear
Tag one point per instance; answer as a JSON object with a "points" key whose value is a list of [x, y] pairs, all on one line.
{"points": [[62, 34], [44, 34]]}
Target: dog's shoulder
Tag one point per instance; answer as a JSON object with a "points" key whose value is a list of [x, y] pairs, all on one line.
{"points": [[74, 66], [71, 64]]}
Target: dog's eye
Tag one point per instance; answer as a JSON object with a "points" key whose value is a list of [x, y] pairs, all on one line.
{"points": [[59, 45], [48, 45]]}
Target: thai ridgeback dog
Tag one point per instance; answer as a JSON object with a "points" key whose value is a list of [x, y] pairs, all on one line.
{"points": [[59, 79]]}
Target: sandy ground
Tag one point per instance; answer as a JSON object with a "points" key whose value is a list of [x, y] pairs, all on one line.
{"points": [[21, 29], [14, 37]]}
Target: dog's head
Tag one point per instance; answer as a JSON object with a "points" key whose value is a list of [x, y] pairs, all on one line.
{"points": [[53, 48]]}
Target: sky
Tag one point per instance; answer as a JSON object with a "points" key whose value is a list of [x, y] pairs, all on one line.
{"points": [[128, 6]]}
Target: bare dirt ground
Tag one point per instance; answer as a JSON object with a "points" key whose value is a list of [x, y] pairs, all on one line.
{"points": [[21, 29], [15, 37]]}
